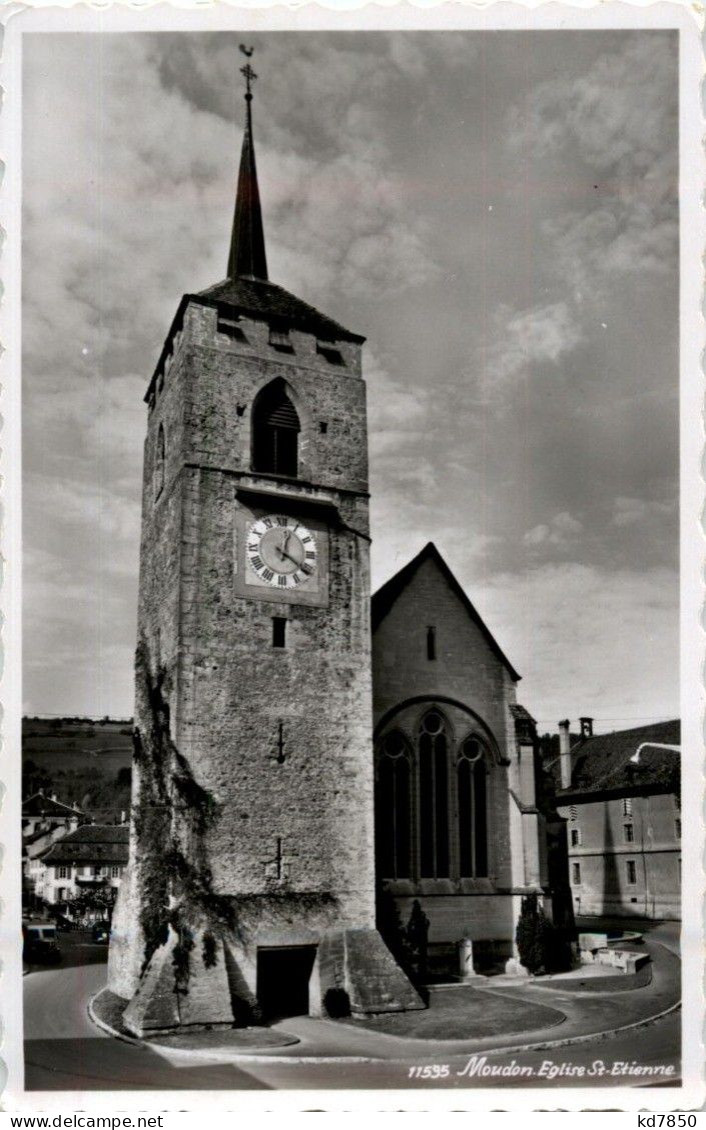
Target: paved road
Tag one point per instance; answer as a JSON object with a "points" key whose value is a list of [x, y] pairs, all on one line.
{"points": [[64, 1051]]}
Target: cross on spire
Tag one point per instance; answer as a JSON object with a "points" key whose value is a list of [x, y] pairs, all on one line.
{"points": [[247, 257], [248, 72]]}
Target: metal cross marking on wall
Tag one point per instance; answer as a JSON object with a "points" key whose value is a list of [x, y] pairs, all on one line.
{"points": [[278, 867], [280, 744]]}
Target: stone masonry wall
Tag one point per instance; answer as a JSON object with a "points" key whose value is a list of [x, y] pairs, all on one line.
{"points": [[158, 628], [234, 688]]}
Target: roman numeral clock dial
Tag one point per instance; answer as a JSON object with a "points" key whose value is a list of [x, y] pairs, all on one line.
{"points": [[281, 551]]}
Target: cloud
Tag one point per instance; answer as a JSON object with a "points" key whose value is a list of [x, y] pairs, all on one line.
{"points": [[375, 199], [629, 511], [81, 624], [526, 343], [333, 211], [89, 505], [618, 118], [561, 532], [574, 631], [398, 414]]}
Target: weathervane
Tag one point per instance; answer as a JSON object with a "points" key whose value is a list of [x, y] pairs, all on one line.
{"points": [[247, 71]]}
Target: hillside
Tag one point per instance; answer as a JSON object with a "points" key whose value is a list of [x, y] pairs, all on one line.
{"points": [[83, 760]]}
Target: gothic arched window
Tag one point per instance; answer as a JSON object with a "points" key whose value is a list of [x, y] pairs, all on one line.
{"points": [[275, 431], [159, 462], [433, 797], [393, 796], [472, 810]]}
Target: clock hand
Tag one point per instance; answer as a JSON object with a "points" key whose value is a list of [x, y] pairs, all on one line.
{"points": [[282, 549]]}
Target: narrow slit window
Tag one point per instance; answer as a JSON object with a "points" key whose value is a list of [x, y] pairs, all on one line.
{"points": [[631, 871], [279, 631], [629, 832], [431, 643], [576, 874]]}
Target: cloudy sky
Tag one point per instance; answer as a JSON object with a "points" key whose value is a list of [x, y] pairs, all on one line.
{"points": [[496, 211]]}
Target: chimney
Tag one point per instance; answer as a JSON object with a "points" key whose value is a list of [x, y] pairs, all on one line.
{"points": [[586, 728], [565, 753], [54, 796], [122, 816]]}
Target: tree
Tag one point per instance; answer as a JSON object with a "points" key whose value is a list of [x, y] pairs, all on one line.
{"points": [[100, 897]]}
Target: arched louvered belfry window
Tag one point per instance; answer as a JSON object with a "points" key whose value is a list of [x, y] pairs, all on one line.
{"points": [[393, 808], [275, 431], [159, 462], [472, 810], [433, 797]]}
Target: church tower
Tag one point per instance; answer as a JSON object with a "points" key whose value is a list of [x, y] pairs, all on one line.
{"points": [[250, 890]]}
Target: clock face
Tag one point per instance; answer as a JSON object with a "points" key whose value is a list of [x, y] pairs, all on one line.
{"points": [[281, 551]]}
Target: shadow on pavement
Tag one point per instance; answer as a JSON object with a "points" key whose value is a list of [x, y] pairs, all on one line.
{"points": [[110, 1065]]}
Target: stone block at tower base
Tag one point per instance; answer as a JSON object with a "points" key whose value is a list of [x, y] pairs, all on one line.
{"points": [[354, 973], [374, 981], [205, 1001]]}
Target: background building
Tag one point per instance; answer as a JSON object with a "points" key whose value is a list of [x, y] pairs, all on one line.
{"points": [[620, 795], [45, 820], [91, 858]]}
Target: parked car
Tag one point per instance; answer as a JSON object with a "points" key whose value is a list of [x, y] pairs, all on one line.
{"points": [[39, 943], [63, 924], [101, 933]]}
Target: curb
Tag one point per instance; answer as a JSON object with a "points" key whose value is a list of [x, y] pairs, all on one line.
{"points": [[255, 1057], [137, 1042]]}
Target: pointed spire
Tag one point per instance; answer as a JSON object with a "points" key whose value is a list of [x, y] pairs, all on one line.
{"points": [[247, 246]]}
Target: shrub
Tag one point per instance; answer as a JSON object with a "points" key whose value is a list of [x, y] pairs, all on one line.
{"points": [[542, 948]]}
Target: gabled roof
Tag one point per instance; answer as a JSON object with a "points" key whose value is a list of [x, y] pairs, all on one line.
{"points": [[385, 598], [42, 834], [603, 763], [107, 843], [263, 299], [40, 805]]}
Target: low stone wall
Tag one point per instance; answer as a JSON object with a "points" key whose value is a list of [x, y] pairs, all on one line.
{"points": [[623, 961]]}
